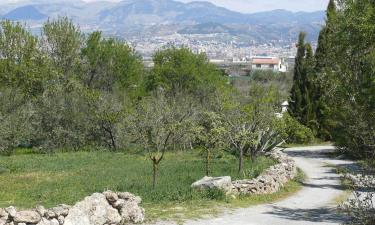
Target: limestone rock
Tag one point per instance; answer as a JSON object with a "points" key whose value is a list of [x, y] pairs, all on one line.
{"points": [[50, 214], [3, 213], [126, 195], [3, 221], [93, 210], [61, 220], [221, 183], [131, 212], [11, 211], [41, 210], [60, 210], [27, 217], [45, 221], [111, 196], [54, 222]]}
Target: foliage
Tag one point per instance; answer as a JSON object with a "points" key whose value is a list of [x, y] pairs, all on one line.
{"points": [[297, 133], [180, 70], [348, 78], [210, 133], [110, 63], [157, 124], [301, 100], [15, 120], [252, 126], [22, 66]]}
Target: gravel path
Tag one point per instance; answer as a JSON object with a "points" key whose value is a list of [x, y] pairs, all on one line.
{"points": [[314, 204]]}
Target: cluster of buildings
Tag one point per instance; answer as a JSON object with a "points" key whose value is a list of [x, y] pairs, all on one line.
{"points": [[221, 49]]}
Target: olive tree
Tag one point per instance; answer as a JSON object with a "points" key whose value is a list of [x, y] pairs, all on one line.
{"points": [[155, 121], [252, 125], [210, 134]]}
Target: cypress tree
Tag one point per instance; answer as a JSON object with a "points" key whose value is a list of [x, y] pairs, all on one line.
{"points": [[323, 49], [297, 100], [323, 57]]}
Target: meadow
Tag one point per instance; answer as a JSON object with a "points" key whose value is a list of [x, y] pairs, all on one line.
{"points": [[50, 179]]}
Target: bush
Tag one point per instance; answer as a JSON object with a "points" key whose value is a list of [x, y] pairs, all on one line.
{"points": [[297, 133]]}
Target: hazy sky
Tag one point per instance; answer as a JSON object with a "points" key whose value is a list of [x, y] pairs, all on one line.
{"points": [[265, 5], [251, 5]]}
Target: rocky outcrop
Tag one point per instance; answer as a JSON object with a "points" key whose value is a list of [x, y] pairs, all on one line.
{"points": [[221, 183], [108, 208], [270, 181]]}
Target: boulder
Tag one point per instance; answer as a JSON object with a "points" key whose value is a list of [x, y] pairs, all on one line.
{"points": [[221, 183], [27, 216], [3, 221], [93, 210]]}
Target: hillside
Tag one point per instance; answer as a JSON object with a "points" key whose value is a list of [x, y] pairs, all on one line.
{"points": [[25, 13], [130, 17]]}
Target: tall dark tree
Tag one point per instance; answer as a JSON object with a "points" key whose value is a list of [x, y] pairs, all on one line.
{"points": [[300, 106], [323, 57]]}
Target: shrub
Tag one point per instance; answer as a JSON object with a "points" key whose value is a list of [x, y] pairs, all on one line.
{"points": [[297, 133]]}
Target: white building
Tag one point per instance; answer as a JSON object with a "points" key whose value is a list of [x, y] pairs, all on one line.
{"points": [[268, 63]]}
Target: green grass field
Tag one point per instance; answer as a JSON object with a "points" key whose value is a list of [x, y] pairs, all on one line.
{"points": [[27, 180]]}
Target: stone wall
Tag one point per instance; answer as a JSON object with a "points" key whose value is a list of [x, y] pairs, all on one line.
{"points": [[108, 208], [271, 180]]}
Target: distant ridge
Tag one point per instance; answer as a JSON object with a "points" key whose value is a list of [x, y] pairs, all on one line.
{"points": [[25, 13], [159, 17]]}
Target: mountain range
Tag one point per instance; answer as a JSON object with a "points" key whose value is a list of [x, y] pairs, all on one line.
{"points": [[161, 17]]}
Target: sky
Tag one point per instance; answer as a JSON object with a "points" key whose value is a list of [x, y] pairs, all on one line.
{"points": [[250, 6]]}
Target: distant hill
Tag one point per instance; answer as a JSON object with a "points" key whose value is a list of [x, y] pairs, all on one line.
{"points": [[25, 13], [158, 17], [206, 28]]}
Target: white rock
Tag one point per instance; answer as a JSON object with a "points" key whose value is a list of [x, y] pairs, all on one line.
{"points": [[93, 210], [54, 222], [11, 211], [131, 212], [3, 221], [41, 210], [60, 210], [45, 221], [27, 216], [61, 220], [221, 183], [3, 214], [125, 195], [111, 196]]}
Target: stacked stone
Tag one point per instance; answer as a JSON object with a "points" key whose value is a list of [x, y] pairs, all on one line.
{"points": [[109, 208], [39, 216], [271, 180]]}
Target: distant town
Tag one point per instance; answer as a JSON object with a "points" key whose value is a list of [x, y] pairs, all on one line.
{"points": [[277, 55]]}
